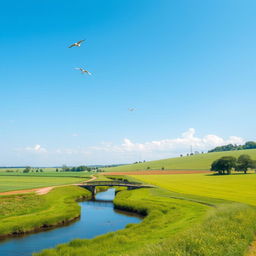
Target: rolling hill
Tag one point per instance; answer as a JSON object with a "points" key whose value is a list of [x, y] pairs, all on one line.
{"points": [[195, 162]]}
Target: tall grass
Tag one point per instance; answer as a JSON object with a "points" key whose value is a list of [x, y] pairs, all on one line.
{"points": [[227, 231], [25, 213], [178, 227]]}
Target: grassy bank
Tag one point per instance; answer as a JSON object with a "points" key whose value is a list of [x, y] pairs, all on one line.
{"points": [[195, 162], [9, 183], [175, 224], [30, 212], [227, 230]]}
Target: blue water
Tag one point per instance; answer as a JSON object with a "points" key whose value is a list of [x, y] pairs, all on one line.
{"points": [[97, 217]]}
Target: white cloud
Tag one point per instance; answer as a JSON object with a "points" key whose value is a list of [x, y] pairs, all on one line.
{"points": [[126, 152], [37, 148], [175, 146]]}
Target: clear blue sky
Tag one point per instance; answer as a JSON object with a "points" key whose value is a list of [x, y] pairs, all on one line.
{"points": [[182, 64]]}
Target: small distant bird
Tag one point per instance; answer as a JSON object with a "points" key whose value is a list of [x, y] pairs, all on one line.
{"points": [[78, 44], [83, 71], [131, 109]]}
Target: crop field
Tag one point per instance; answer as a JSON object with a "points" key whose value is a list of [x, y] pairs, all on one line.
{"points": [[236, 187], [195, 162], [9, 183]]}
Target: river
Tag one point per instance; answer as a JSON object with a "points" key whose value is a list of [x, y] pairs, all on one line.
{"points": [[97, 217]]}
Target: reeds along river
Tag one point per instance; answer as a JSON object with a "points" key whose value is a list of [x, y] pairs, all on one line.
{"points": [[97, 217]]}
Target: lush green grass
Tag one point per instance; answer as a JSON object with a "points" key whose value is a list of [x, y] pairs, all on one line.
{"points": [[28, 212], [191, 215], [47, 174], [9, 183], [196, 162], [165, 217], [175, 224], [227, 230], [237, 187]]}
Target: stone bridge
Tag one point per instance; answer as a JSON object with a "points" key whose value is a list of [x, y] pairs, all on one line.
{"points": [[91, 186]]}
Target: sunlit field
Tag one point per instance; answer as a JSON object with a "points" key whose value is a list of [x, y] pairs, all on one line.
{"points": [[47, 174], [236, 187], [27, 212], [195, 162], [9, 183], [175, 225]]}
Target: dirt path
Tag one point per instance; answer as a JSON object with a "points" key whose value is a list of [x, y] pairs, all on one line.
{"points": [[156, 172], [39, 191]]}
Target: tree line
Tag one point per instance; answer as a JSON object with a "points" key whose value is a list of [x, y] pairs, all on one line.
{"points": [[80, 168], [226, 164], [230, 147]]}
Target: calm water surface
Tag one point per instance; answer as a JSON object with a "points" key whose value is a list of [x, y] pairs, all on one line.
{"points": [[97, 217]]}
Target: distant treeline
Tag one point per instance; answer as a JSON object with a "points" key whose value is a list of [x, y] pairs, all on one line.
{"points": [[80, 168], [230, 147]]}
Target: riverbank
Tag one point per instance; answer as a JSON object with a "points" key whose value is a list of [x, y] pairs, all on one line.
{"points": [[97, 217], [25, 213], [175, 224]]}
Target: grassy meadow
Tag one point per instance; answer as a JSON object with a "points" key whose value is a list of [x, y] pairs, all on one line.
{"points": [[179, 222], [47, 174], [11, 182], [236, 187], [28, 212], [195, 162], [185, 215]]}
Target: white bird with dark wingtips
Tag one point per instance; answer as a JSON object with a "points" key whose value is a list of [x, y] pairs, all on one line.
{"points": [[83, 71], [78, 44]]}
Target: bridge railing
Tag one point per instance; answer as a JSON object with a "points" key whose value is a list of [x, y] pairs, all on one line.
{"points": [[105, 182]]}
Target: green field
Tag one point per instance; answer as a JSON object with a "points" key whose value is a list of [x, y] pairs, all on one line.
{"points": [[176, 224], [186, 215], [236, 187], [195, 162], [9, 183], [47, 174], [28, 212]]}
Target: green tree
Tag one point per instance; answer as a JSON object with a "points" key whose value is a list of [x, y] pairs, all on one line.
{"points": [[224, 164], [250, 145], [27, 169], [244, 162]]}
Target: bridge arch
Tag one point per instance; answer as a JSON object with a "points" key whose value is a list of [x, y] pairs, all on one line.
{"points": [[91, 186]]}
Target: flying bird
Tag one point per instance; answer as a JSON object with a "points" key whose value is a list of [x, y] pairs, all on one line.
{"points": [[83, 71], [78, 44], [131, 109]]}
